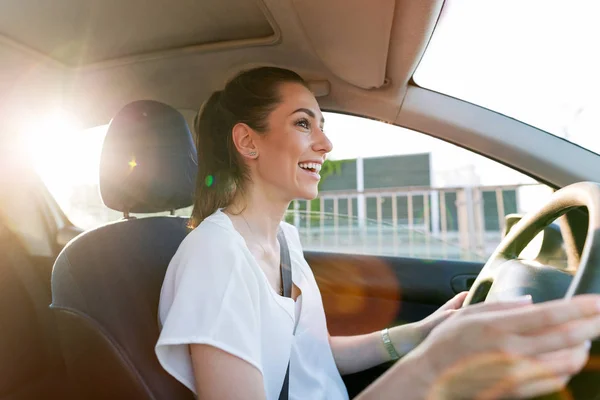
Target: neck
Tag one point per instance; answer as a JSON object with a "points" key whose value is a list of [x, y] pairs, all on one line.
{"points": [[262, 211]]}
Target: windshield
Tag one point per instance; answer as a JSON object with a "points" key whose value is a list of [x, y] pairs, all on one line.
{"points": [[535, 61]]}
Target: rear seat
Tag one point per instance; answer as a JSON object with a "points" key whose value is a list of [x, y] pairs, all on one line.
{"points": [[31, 365]]}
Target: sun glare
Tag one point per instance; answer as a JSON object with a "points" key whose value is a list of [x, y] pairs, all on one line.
{"points": [[62, 153]]}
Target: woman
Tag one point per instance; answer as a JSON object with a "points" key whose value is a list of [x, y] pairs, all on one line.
{"points": [[227, 331]]}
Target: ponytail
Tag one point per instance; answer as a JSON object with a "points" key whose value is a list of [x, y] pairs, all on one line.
{"points": [[219, 167]]}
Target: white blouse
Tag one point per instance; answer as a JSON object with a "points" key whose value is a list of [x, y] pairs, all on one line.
{"points": [[215, 293]]}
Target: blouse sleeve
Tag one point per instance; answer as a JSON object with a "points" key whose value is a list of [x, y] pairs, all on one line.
{"points": [[208, 297]]}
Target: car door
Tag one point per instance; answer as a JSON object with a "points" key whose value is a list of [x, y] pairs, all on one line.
{"points": [[365, 293]]}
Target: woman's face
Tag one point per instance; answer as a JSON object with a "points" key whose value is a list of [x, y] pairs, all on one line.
{"points": [[292, 151]]}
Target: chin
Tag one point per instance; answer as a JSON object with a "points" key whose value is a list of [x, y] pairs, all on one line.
{"points": [[308, 194]]}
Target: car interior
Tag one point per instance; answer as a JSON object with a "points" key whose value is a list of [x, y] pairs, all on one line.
{"points": [[78, 308]]}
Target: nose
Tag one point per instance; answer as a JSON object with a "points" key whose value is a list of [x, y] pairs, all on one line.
{"points": [[322, 143]]}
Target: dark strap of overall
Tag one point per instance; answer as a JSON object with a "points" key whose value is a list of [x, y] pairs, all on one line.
{"points": [[286, 280]]}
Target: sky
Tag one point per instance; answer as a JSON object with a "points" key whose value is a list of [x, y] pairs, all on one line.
{"points": [[534, 60]]}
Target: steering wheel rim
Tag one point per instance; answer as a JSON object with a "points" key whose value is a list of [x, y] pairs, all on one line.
{"points": [[587, 276]]}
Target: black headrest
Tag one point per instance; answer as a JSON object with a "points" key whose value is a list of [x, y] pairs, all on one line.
{"points": [[148, 162]]}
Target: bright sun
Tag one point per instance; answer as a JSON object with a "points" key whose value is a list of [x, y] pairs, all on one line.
{"points": [[63, 154]]}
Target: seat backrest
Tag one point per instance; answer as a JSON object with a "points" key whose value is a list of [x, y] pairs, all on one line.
{"points": [[106, 282], [31, 366]]}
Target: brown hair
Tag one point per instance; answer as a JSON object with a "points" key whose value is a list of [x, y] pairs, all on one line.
{"points": [[248, 98]]}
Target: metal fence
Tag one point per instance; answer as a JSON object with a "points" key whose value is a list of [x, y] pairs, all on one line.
{"points": [[464, 223], [452, 223]]}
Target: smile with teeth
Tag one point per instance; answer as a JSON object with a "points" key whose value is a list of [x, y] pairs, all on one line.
{"points": [[312, 167]]}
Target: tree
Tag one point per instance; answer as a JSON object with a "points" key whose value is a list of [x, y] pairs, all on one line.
{"points": [[330, 167]]}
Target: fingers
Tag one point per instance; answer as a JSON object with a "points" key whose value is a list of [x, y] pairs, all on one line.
{"points": [[565, 364], [497, 306], [547, 373], [567, 361], [539, 387], [570, 334], [492, 376], [549, 314], [455, 302], [531, 376]]}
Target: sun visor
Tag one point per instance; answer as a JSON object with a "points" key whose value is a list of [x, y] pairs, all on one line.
{"points": [[351, 38]]}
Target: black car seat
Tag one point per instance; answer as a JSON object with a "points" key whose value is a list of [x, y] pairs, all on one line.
{"points": [[106, 282], [31, 365]]}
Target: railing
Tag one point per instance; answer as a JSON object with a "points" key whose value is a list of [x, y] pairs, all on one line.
{"points": [[348, 221], [445, 223]]}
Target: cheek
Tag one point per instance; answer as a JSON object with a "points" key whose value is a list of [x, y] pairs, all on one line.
{"points": [[280, 167], [285, 154], [274, 166], [279, 163]]}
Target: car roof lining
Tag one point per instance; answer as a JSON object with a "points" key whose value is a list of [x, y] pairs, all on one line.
{"points": [[111, 31], [361, 78]]}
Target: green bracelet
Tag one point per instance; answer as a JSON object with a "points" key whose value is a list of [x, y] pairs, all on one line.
{"points": [[389, 346]]}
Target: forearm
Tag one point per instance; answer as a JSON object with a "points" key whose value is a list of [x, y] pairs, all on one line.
{"points": [[358, 353], [407, 380]]}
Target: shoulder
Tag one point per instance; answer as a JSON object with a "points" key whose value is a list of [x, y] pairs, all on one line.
{"points": [[211, 237], [212, 252], [209, 263]]}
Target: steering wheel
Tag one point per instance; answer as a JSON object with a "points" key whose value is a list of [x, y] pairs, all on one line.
{"points": [[504, 276]]}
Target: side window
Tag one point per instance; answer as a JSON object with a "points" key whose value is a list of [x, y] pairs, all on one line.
{"points": [[386, 190]]}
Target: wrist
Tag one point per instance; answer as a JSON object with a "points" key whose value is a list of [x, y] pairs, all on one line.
{"points": [[389, 346], [406, 337]]}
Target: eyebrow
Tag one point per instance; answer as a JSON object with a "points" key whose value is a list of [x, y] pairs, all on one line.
{"points": [[309, 112]]}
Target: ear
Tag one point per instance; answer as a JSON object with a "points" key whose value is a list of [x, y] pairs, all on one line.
{"points": [[243, 139]]}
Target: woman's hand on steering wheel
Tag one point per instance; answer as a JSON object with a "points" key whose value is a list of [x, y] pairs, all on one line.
{"points": [[498, 350]]}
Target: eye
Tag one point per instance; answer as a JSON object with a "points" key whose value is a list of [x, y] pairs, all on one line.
{"points": [[303, 123]]}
